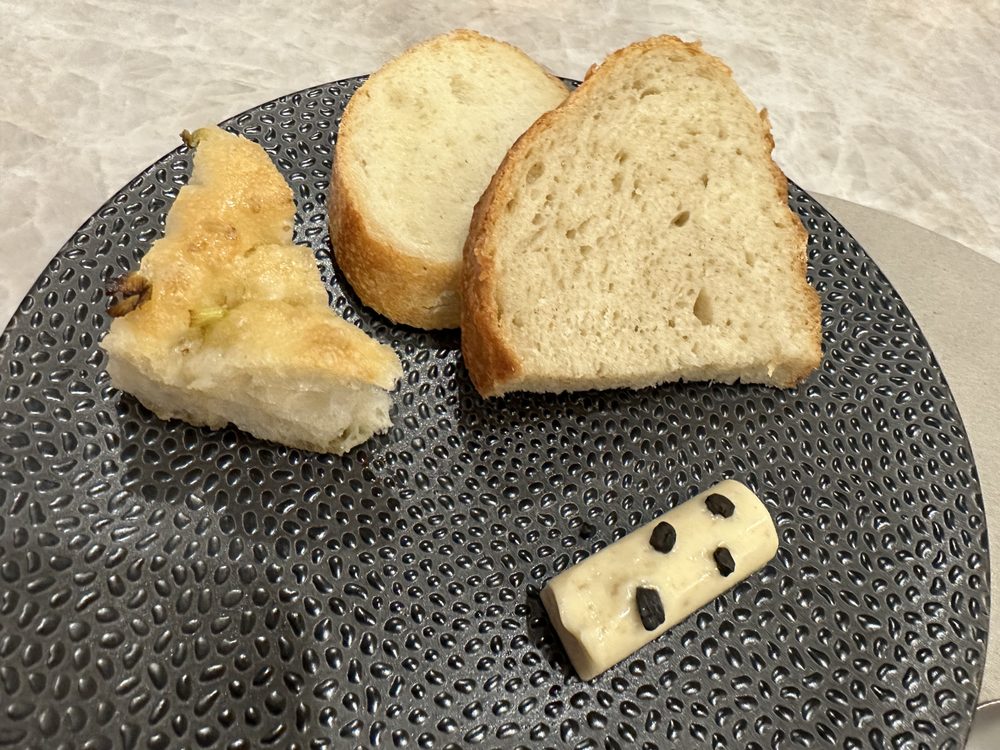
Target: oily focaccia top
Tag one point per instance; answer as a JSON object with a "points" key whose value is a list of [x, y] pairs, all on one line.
{"points": [[227, 321]]}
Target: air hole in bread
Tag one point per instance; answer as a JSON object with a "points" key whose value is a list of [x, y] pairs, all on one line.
{"points": [[460, 87], [586, 250], [650, 91], [621, 156], [681, 219], [704, 180], [510, 205], [536, 219], [570, 233], [703, 307], [534, 173], [616, 181], [739, 152]]}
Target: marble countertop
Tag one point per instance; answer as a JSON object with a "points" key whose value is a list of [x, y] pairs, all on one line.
{"points": [[892, 105]]}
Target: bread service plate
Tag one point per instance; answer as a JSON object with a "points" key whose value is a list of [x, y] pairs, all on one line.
{"points": [[163, 585]]}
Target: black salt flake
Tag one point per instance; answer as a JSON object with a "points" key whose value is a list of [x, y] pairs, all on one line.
{"points": [[663, 538], [724, 561], [720, 505], [650, 607]]}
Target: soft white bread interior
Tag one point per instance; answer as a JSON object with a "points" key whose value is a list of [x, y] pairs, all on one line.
{"points": [[416, 147], [226, 321], [638, 234]]}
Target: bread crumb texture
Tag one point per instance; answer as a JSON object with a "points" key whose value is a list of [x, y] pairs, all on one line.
{"points": [[638, 234]]}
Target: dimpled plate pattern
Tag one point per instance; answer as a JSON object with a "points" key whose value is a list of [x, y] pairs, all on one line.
{"points": [[165, 586]]}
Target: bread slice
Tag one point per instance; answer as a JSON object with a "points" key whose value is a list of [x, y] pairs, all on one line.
{"points": [[227, 321], [417, 146], [639, 234]]}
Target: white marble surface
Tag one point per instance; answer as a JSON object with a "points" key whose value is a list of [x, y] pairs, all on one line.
{"points": [[894, 105]]}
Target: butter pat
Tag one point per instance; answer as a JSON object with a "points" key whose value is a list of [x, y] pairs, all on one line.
{"points": [[615, 602]]}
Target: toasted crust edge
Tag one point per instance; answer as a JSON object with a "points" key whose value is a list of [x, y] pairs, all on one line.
{"points": [[493, 365], [403, 288], [488, 358], [810, 297], [407, 289]]}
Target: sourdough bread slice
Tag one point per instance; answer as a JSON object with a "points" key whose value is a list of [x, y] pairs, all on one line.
{"points": [[416, 147], [639, 234], [226, 321]]}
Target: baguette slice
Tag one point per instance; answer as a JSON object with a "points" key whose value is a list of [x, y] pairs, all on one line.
{"points": [[227, 321], [417, 146], [639, 234]]}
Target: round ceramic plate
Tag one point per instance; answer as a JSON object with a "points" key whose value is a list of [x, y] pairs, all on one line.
{"points": [[167, 586]]}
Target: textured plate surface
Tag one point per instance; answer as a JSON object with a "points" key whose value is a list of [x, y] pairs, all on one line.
{"points": [[167, 586]]}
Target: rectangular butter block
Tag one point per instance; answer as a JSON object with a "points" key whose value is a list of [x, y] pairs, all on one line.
{"points": [[629, 593]]}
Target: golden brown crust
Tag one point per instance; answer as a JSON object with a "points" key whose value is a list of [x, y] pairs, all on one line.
{"points": [[809, 295], [416, 291], [487, 356], [492, 363], [227, 255], [404, 288]]}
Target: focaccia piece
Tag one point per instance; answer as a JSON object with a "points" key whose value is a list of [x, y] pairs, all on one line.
{"points": [[226, 321]]}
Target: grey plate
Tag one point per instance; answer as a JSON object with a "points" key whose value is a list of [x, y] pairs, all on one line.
{"points": [[168, 586]]}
